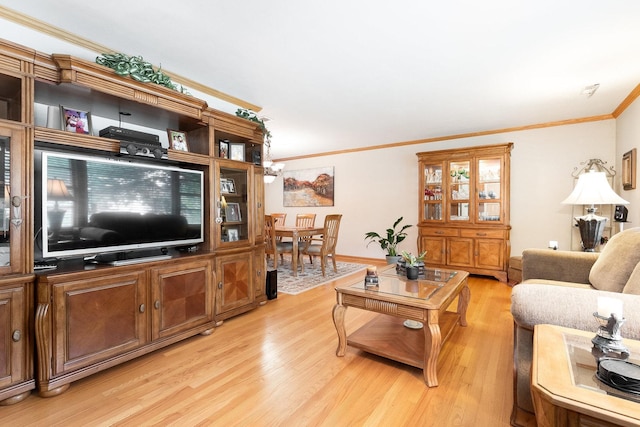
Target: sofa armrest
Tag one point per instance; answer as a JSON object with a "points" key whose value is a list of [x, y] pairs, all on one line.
{"points": [[565, 266], [534, 304]]}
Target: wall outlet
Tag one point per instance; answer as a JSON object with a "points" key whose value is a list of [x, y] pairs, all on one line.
{"points": [[553, 244]]}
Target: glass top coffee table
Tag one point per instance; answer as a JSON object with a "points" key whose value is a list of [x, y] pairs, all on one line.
{"points": [[398, 299], [564, 387]]}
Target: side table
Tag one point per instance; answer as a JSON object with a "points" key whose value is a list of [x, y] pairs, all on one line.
{"points": [[564, 388]]}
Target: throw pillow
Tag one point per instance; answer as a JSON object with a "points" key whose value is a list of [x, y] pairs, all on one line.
{"points": [[633, 284], [614, 266]]}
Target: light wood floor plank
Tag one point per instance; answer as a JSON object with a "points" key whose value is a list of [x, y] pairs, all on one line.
{"points": [[276, 366]]}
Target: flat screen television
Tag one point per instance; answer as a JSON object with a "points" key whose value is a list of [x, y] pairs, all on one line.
{"points": [[106, 204]]}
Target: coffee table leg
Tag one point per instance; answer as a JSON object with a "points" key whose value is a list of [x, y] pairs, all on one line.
{"points": [[463, 303], [432, 344], [339, 311]]}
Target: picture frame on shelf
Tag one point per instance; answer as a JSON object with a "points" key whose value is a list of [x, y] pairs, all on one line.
{"points": [[77, 121], [177, 140], [223, 149], [232, 212], [236, 151], [233, 235], [227, 186], [629, 170]]}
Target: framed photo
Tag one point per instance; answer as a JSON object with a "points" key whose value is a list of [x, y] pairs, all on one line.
{"points": [[629, 170], [177, 140], [232, 212], [232, 235], [76, 121], [223, 150], [227, 185], [236, 151]]}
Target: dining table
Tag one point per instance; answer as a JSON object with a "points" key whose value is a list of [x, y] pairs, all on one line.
{"points": [[295, 233]]}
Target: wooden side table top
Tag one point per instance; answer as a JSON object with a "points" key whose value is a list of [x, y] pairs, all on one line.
{"points": [[563, 383]]}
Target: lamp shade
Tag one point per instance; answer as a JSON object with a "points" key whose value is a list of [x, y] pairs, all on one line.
{"points": [[593, 189], [57, 190]]}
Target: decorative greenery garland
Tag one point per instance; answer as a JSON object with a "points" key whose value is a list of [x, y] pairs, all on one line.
{"points": [[138, 69], [250, 115]]}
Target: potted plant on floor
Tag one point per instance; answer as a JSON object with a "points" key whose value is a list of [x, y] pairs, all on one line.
{"points": [[389, 242], [413, 263]]}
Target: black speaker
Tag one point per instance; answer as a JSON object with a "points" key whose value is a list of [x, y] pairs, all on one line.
{"points": [[272, 284], [621, 213]]}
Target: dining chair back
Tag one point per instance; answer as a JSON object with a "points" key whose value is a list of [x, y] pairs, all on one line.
{"points": [[328, 244], [272, 245], [305, 220], [279, 218]]}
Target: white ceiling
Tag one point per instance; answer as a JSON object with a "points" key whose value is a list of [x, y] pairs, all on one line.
{"points": [[339, 74]]}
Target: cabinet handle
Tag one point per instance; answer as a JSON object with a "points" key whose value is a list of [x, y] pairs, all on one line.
{"points": [[157, 304], [219, 285], [439, 232], [481, 234], [16, 335], [259, 273], [142, 308]]}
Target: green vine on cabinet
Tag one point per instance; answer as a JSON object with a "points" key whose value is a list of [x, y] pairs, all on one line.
{"points": [[250, 115], [138, 69]]}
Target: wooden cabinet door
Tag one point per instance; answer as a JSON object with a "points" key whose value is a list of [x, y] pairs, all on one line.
{"points": [[260, 279], [13, 335], [460, 252], [235, 281], [97, 317], [182, 297], [489, 253], [436, 248]]}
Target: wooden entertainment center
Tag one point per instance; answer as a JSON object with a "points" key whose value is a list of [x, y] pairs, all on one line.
{"points": [[63, 324]]}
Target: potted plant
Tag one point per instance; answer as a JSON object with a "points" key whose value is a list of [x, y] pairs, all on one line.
{"points": [[412, 263], [390, 242]]}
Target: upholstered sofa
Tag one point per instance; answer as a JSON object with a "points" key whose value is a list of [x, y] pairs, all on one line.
{"points": [[562, 288]]}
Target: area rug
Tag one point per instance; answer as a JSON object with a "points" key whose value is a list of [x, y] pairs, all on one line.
{"points": [[312, 276]]}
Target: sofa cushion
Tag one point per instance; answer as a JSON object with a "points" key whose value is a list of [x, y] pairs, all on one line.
{"points": [[633, 284], [614, 266]]}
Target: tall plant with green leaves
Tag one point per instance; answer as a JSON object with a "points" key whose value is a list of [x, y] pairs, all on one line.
{"points": [[390, 241]]}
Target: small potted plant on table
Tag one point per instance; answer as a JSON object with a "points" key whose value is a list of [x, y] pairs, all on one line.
{"points": [[413, 263], [390, 242]]}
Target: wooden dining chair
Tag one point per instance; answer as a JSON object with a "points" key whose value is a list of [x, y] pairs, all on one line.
{"points": [[279, 218], [327, 247], [273, 246], [305, 220]]}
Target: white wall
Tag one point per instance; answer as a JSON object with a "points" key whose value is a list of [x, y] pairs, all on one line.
{"points": [[373, 188], [628, 135]]}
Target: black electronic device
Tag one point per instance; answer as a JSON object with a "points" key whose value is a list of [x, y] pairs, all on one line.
{"points": [[143, 149], [621, 213], [272, 284], [123, 134]]}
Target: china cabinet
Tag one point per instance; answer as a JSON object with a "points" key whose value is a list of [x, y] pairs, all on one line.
{"points": [[464, 208], [79, 318]]}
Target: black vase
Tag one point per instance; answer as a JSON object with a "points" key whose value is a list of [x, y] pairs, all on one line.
{"points": [[412, 273]]}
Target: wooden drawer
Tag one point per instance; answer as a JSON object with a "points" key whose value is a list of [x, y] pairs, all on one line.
{"points": [[488, 234], [439, 232]]}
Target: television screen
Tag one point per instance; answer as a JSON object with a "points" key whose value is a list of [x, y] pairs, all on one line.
{"points": [[92, 204]]}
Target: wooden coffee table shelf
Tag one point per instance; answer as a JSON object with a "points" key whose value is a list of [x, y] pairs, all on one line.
{"points": [[397, 300]]}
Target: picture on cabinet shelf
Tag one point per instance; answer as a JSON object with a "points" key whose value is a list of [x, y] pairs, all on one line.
{"points": [[232, 212], [223, 150], [227, 185], [76, 121], [236, 151], [177, 140], [232, 235]]}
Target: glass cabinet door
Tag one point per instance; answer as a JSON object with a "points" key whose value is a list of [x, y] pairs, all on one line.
{"points": [[12, 226], [432, 202], [231, 207], [459, 190], [489, 184]]}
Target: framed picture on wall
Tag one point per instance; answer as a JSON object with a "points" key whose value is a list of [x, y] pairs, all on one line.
{"points": [[629, 170], [76, 121]]}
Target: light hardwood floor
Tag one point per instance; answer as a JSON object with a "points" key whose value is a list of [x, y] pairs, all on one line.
{"points": [[276, 366]]}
